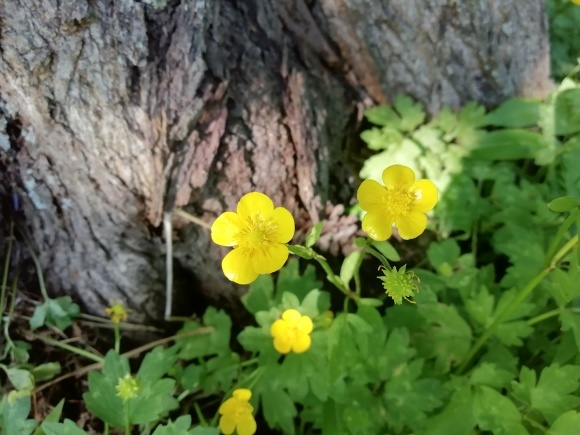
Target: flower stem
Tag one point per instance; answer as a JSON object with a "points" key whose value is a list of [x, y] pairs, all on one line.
{"points": [[524, 292], [6, 266], [561, 233], [127, 419], [70, 348], [117, 338], [332, 278]]}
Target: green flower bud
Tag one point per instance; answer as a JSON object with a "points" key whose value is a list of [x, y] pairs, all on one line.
{"points": [[399, 284], [128, 387]]}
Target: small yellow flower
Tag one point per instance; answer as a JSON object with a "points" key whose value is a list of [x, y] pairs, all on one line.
{"points": [[127, 387], [117, 312], [576, 2], [236, 414], [292, 332], [258, 233], [402, 202]]}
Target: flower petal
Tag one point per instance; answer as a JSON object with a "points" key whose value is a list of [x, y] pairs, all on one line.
{"points": [[304, 325], [229, 406], [242, 394], [227, 424], [284, 223], [246, 424], [270, 258], [238, 266], [301, 343], [379, 226], [225, 229], [370, 195], [291, 316], [278, 328], [398, 177], [412, 225], [426, 195], [255, 204], [282, 344]]}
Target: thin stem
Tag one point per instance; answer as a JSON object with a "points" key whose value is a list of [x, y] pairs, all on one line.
{"points": [[545, 316], [6, 267], [379, 257], [117, 338], [127, 419], [68, 347], [524, 292], [37, 266], [191, 218], [561, 233], [332, 278], [357, 284], [106, 428], [199, 414]]}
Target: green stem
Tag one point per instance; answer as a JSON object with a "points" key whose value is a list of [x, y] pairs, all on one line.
{"points": [[117, 338], [38, 268], [127, 419], [199, 414], [507, 311], [332, 278], [6, 267], [106, 428], [379, 257], [545, 316], [561, 233], [70, 348], [191, 218]]}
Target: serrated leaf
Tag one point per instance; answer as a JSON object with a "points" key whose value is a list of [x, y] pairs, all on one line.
{"points": [[456, 418], [260, 295], [515, 113], [314, 235], [495, 412], [215, 342], [279, 410], [480, 308], [567, 107], [412, 114], [14, 415], [178, 427], [443, 253], [563, 204], [491, 375], [68, 427], [290, 280], [384, 116], [508, 144], [552, 396], [157, 363], [381, 138]]}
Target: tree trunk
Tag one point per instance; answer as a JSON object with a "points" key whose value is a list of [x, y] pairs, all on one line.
{"points": [[114, 112]]}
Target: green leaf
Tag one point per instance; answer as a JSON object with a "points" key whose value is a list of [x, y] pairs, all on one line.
{"points": [[552, 396], [563, 204], [387, 250], [349, 266], [278, 408], [215, 342], [448, 337], [409, 399], [567, 108], [384, 116], [369, 302], [204, 431], [178, 427], [515, 113], [571, 322], [491, 375], [315, 303], [53, 417], [443, 255], [567, 424], [68, 427], [46, 371], [480, 308], [508, 145], [157, 363], [412, 114], [495, 412], [314, 235], [58, 312], [456, 418], [21, 379], [13, 415], [155, 400], [291, 281], [381, 138], [260, 295], [302, 251]]}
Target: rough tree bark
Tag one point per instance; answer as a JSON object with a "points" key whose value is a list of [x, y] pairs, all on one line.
{"points": [[114, 111]]}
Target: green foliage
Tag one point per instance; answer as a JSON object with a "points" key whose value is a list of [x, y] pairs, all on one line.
{"points": [[564, 19], [59, 312]]}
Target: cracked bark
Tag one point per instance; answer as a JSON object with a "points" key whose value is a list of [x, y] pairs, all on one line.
{"points": [[128, 109]]}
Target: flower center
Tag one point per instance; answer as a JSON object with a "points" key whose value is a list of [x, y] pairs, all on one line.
{"points": [[256, 232], [398, 202], [256, 237]]}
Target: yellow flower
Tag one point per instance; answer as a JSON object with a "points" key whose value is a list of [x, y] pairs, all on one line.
{"points": [[402, 202], [576, 2], [118, 312], [236, 414], [292, 332], [128, 387], [258, 233]]}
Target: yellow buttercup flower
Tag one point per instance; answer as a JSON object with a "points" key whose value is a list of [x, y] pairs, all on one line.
{"points": [[402, 202], [576, 2], [236, 414], [258, 233], [117, 312], [292, 332]]}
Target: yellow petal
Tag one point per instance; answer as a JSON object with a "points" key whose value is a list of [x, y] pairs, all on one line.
{"points": [[270, 258], [278, 328], [304, 325], [291, 316], [225, 229], [412, 225], [284, 223], [426, 195], [370, 195], [246, 424], [238, 266], [227, 424], [302, 343], [242, 394], [228, 407], [379, 226], [398, 177], [282, 344], [255, 204]]}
